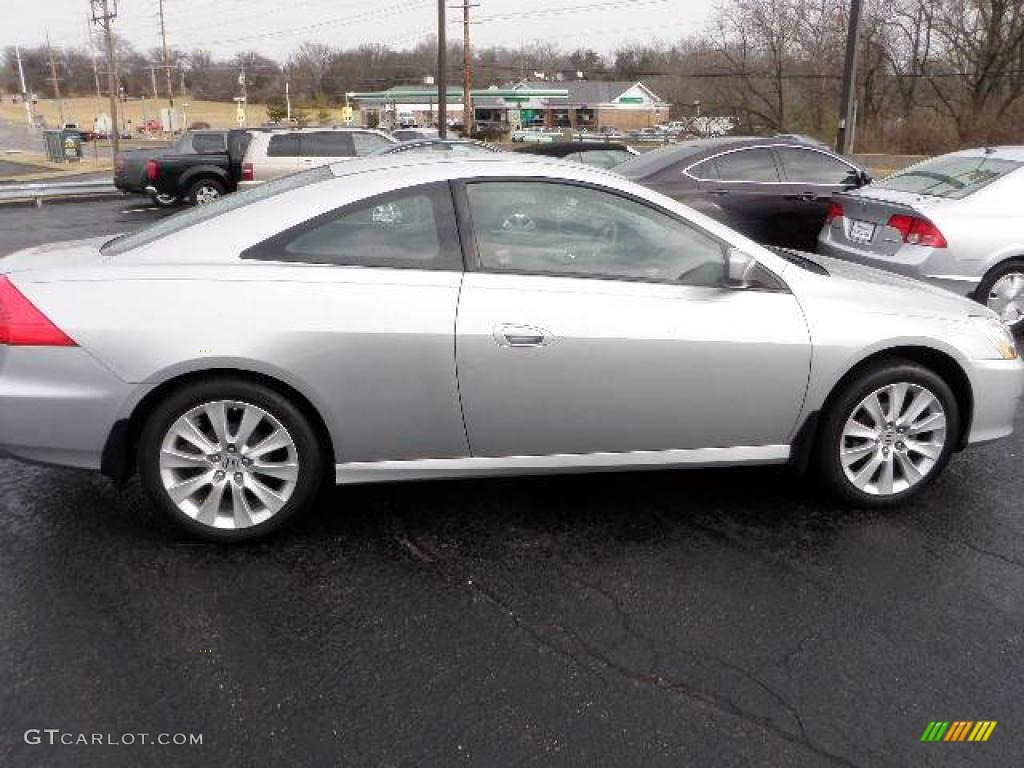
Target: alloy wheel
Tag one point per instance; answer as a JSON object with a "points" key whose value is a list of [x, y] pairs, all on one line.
{"points": [[228, 464], [1006, 298], [206, 194], [892, 439]]}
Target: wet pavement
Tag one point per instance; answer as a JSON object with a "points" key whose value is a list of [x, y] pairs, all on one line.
{"points": [[705, 618]]}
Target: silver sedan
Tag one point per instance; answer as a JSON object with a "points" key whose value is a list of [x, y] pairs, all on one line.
{"points": [[954, 221], [405, 318]]}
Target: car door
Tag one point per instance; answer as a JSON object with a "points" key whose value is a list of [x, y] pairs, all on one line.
{"points": [[374, 287], [744, 185], [590, 322], [812, 177], [281, 158], [325, 147]]}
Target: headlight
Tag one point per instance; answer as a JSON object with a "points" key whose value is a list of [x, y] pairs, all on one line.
{"points": [[998, 334]]}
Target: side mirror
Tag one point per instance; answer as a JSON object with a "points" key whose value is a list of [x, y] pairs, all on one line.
{"points": [[865, 178], [739, 267]]}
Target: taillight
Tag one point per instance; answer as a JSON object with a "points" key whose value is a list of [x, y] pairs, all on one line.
{"points": [[246, 171], [22, 325], [917, 231], [152, 169], [835, 211]]}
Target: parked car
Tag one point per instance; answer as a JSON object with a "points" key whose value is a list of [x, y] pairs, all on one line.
{"points": [[803, 138], [439, 147], [549, 318], [279, 153], [955, 221], [774, 191], [130, 173], [536, 135], [409, 134], [210, 170], [597, 153]]}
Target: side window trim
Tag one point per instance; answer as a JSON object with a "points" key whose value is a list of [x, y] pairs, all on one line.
{"points": [[471, 254], [779, 168], [785, 174], [272, 248]]}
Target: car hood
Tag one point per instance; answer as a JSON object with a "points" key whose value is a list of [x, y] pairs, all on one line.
{"points": [[61, 256], [880, 292]]}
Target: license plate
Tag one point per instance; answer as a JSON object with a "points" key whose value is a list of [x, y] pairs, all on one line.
{"points": [[862, 231]]}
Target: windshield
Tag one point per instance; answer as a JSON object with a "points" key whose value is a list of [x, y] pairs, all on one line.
{"points": [[953, 176], [202, 213]]}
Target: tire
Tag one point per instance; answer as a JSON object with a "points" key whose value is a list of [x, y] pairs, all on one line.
{"points": [[205, 191], [165, 201], [916, 457], [1002, 290], [229, 491]]}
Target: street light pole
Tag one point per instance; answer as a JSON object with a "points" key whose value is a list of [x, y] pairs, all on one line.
{"points": [[848, 99], [442, 68]]}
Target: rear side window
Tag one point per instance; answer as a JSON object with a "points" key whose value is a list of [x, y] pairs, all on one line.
{"points": [[953, 176], [413, 228], [365, 143], [747, 165], [807, 166], [205, 143], [327, 144], [283, 145], [605, 158]]}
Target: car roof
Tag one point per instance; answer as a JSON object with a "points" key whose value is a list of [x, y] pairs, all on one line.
{"points": [[1005, 152], [559, 148], [468, 165]]}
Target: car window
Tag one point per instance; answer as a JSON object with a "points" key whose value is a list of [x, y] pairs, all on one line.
{"points": [[208, 142], [412, 228], [365, 143], [283, 145], [604, 158], [706, 170], [562, 229], [201, 213], [952, 176], [327, 144], [747, 165], [806, 166]]}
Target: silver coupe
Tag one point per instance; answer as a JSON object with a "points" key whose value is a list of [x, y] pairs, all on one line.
{"points": [[405, 318]]}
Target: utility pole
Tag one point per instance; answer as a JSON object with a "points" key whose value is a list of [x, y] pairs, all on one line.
{"points": [[167, 68], [848, 99], [24, 91], [103, 13], [55, 80], [467, 64], [287, 102], [442, 72]]}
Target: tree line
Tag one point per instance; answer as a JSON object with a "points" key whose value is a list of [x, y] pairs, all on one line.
{"points": [[933, 75]]}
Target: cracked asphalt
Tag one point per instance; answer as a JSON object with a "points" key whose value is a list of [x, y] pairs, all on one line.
{"points": [[705, 618]]}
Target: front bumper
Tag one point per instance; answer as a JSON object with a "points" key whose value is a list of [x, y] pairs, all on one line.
{"points": [[57, 405], [932, 265], [997, 386]]}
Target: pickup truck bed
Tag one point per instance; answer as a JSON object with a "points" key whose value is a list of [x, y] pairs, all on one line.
{"points": [[200, 177]]}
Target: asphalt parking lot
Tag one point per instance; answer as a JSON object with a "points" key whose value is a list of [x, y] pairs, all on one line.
{"points": [[705, 618]]}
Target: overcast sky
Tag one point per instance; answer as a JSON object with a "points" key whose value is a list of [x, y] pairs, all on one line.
{"points": [[275, 27]]}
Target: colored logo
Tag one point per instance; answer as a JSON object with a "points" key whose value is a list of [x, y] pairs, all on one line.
{"points": [[959, 730]]}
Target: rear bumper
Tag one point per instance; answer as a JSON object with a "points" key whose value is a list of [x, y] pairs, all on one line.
{"points": [[57, 405], [932, 265], [248, 184], [997, 386]]}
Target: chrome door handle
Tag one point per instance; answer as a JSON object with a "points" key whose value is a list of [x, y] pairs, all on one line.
{"points": [[513, 335]]}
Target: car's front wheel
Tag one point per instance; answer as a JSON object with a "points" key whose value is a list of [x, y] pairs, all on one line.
{"points": [[205, 191], [229, 459], [887, 435]]}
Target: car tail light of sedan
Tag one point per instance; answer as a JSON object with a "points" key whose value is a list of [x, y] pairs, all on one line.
{"points": [[835, 211], [246, 171], [22, 325], [917, 231], [152, 169]]}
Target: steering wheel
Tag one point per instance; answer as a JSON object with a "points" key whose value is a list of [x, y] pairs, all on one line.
{"points": [[518, 222]]}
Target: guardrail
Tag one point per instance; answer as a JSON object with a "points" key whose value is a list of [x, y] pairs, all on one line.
{"points": [[55, 189]]}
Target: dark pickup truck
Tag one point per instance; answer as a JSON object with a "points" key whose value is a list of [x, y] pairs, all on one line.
{"points": [[200, 177]]}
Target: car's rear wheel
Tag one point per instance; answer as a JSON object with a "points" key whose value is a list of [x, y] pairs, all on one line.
{"points": [[887, 435], [205, 191], [1002, 291], [164, 201], [229, 459]]}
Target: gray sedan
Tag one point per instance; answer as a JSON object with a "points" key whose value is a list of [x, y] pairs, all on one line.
{"points": [[955, 221], [404, 318]]}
